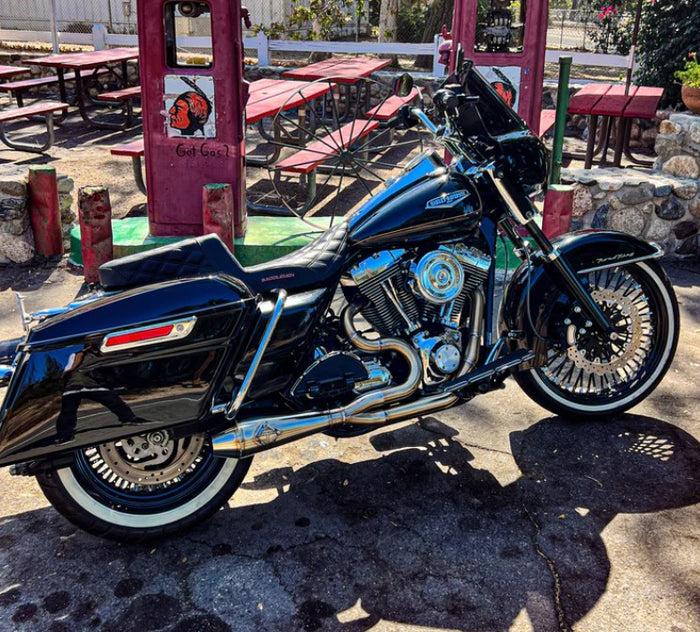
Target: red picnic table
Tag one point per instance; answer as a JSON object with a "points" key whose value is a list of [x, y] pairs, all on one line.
{"points": [[87, 61], [340, 69], [266, 97], [10, 71], [617, 104], [348, 71]]}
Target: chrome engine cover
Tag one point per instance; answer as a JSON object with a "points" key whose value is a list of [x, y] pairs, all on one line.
{"points": [[423, 297], [438, 277]]}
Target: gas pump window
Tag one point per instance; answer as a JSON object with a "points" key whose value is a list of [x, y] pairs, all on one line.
{"points": [[500, 26], [185, 20]]}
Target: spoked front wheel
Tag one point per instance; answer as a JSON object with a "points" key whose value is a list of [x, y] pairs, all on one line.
{"points": [[143, 486], [588, 373]]}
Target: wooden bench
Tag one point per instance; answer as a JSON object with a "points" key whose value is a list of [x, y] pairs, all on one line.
{"points": [[18, 88], [10, 71], [307, 160], [125, 96], [120, 96], [316, 153], [45, 110], [547, 120], [135, 150], [390, 107]]}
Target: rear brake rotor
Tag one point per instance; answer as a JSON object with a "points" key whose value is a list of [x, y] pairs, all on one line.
{"points": [[152, 458]]}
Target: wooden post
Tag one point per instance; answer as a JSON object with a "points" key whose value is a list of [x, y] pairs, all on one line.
{"points": [[556, 216], [95, 215], [44, 211], [217, 212]]}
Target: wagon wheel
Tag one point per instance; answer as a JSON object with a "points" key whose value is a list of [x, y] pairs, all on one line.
{"points": [[340, 151]]}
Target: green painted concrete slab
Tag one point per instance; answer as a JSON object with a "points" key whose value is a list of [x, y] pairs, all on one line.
{"points": [[267, 238]]}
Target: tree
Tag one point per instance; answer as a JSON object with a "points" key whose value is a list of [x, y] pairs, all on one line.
{"points": [[439, 13], [668, 33], [388, 15]]}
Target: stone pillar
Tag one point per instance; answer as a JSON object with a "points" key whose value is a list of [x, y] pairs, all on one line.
{"points": [[16, 237]]}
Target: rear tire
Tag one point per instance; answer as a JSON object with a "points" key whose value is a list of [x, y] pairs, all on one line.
{"points": [[143, 486], [598, 375]]}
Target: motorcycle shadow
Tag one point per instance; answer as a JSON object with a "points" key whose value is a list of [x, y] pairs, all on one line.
{"points": [[409, 533], [420, 537]]}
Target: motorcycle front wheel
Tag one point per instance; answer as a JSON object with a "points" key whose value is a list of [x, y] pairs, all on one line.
{"points": [[587, 373], [143, 486]]}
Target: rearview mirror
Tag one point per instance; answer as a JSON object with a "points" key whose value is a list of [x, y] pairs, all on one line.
{"points": [[403, 84]]}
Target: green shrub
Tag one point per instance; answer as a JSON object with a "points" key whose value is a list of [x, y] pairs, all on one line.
{"points": [[669, 32]]}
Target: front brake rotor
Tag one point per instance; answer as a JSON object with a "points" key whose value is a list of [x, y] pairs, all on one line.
{"points": [[622, 345]]}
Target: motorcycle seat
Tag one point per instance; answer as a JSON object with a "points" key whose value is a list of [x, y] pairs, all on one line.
{"points": [[312, 266]]}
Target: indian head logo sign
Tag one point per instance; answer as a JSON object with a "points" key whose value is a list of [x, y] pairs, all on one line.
{"points": [[189, 106]]}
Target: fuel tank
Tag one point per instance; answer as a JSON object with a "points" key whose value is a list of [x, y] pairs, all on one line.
{"points": [[426, 201], [124, 364]]}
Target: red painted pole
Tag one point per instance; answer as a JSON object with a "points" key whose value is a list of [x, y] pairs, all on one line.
{"points": [[217, 212], [556, 216], [44, 211], [95, 215]]}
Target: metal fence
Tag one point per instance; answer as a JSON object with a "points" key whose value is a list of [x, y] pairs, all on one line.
{"points": [[568, 30], [589, 30], [72, 16]]}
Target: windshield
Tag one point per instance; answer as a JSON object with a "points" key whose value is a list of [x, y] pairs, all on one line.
{"points": [[497, 116]]}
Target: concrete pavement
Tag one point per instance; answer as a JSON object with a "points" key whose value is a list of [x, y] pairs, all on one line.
{"points": [[491, 516]]}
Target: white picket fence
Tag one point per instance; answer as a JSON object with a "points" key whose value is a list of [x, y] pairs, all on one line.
{"points": [[264, 47]]}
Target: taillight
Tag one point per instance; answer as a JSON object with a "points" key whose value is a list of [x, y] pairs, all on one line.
{"points": [[152, 334]]}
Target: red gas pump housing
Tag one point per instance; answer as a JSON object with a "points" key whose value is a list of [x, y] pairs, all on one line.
{"points": [[508, 47], [193, 110]]}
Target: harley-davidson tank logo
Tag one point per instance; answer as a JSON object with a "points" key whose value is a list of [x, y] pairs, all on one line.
{"points": [[448, 200]]}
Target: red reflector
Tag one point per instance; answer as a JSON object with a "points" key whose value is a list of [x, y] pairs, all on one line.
{"points": [[138, 336]]}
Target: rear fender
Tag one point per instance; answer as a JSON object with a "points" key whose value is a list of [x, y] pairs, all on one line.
{"points": [[127, 363], [585, 251]]}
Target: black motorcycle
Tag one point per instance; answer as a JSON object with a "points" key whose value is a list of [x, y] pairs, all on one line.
{"points": [[138, 408]]}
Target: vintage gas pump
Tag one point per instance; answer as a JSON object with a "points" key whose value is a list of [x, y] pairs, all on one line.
{"points": [[507, 42], [193, 109]]}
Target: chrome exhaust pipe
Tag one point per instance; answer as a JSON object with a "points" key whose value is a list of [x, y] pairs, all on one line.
{"points": [[260, 433]]}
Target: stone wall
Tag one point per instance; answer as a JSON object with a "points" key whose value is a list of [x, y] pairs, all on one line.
{"points": [[16, 236], [661, 205]]}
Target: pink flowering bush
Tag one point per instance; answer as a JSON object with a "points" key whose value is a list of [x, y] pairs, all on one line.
{"points": [[613, 30]]}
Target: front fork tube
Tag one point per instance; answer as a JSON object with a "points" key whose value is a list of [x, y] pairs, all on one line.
{"points": [[571, 280], [553, 258]]}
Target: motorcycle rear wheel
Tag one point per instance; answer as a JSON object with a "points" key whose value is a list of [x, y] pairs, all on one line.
{"points": [[143, 486], [599, 375]]}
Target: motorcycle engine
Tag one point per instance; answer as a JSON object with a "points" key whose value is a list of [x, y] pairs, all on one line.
{"points": [[422, 295]]}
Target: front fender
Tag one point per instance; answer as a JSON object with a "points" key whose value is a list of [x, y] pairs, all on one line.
{"points": [[523, 314]]}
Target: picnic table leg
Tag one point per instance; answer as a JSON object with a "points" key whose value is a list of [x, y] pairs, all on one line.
{"points": [[80, 95], [31, 147], [20, 99], [62, 94], [605, 131], [626, 147], [621, 139], [138, 173], [590, 145]]}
